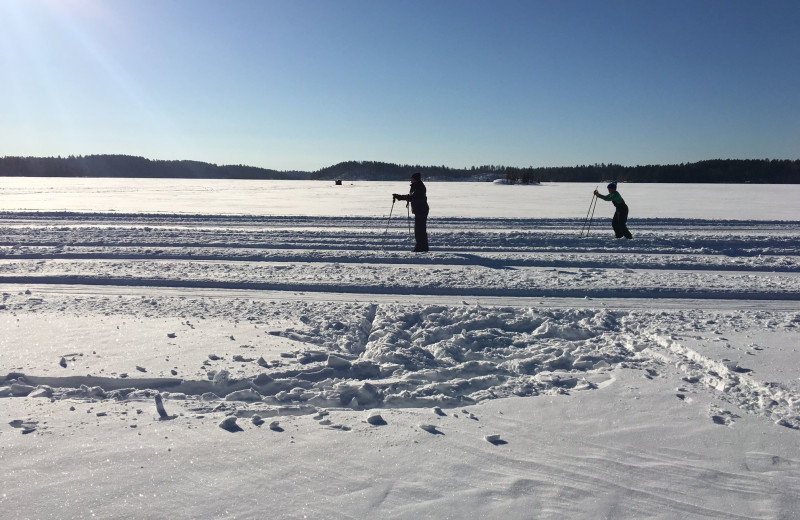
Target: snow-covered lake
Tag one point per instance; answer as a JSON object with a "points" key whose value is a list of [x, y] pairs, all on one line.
{"points": [[371, 199], [519, 369]]}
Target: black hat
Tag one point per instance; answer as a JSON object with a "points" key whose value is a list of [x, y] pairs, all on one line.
{"points": [[416, 176], [612, 186]]}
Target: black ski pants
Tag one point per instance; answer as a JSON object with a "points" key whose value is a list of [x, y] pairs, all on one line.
{"points": [[619, 222], [421, 231]]}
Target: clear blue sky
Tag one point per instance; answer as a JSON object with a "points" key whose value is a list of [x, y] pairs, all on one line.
{"points": [[304, 84]]}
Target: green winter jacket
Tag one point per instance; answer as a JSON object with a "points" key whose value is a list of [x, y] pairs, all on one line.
{"points": [[615, 198]]}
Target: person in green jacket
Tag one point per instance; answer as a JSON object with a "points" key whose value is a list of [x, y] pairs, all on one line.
{"points": [[619, 222]]}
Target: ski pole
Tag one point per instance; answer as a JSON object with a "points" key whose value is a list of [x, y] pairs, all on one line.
{"points": [[592, 217], [387, 224], [591, 203], [408, 211]]}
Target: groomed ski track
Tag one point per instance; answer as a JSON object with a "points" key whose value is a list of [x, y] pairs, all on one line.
{"points": [[493, 261], [67, 290]]}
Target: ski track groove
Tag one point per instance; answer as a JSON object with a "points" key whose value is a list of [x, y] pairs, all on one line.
{"points": [[564, 259], [471, 292]]}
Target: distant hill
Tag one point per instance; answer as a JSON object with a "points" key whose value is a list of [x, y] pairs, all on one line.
{"points": [[380, 171], [132, 167], [712, 171]]}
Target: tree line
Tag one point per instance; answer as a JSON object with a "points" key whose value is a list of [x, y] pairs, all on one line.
{"points": [[711, 171], [127, 166]]}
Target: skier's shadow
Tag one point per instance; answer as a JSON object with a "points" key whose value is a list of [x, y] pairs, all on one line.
{"points": [[484, 262]]}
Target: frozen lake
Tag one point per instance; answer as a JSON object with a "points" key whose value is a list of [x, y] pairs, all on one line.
{"points": [[235, 349], [373, 199]]}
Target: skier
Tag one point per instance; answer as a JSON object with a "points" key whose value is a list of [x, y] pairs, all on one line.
{"points": [[417, 197], [621, 214]]}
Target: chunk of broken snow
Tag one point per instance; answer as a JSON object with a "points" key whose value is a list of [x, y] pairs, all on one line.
{"points": [[21, 390], [42, 391], [376, 419], [337, 362], [247, 394], [229, 424], [430, 428]]}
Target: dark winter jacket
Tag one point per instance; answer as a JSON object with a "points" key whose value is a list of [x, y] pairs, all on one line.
{"points": [[418, 198]]}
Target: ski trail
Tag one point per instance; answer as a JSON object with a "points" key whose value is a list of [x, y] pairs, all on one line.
{"points": [[770, 400]]}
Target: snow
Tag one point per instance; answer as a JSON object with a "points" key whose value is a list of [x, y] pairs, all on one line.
{"points": [[373, 199], [236, 349]]}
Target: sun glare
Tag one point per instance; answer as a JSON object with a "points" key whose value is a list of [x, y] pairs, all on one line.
{"points": [[83, 8], [68, 71]]}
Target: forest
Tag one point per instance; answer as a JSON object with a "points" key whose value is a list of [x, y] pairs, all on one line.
{"points": [[132, 167], [763, 171]]}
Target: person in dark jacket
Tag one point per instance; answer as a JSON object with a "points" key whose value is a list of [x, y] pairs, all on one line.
{"points": [[417, 197], [619, 222]]}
